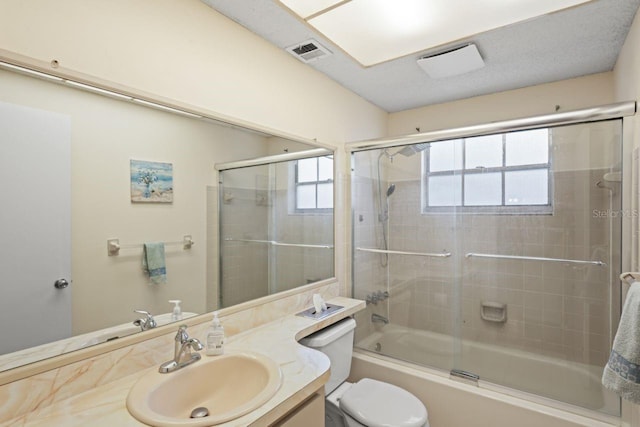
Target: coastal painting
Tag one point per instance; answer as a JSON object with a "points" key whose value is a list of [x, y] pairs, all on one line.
{"points": [[151, 182]]}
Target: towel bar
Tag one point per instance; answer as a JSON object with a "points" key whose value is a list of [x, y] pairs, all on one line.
{"points": [[114, 246]]}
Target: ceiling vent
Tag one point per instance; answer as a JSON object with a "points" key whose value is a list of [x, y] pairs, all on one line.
{"points": [[308, 51], [452, 62]]}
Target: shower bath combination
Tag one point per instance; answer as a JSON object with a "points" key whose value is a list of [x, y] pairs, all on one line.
{"points": [[553, 270]]}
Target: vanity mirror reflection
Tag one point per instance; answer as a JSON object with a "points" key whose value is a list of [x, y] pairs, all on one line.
{"points": [[65, 161], [276, 215]]}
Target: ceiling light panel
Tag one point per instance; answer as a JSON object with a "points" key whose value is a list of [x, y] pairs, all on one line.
{"points": [[307, 8], [375, 31]]}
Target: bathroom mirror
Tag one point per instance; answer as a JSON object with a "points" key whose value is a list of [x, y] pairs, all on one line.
{"points": [[70, 161]]}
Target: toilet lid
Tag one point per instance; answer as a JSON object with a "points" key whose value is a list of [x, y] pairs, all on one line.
{"points": [[377, 404]]}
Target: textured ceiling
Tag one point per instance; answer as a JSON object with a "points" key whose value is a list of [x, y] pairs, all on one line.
{"points": [[571, 43]]}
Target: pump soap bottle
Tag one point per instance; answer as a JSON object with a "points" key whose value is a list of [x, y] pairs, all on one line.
{"points": [[215, 337], [177, 311]]}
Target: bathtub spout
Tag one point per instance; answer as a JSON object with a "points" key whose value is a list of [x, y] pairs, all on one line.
{"points": [[375, 318]]}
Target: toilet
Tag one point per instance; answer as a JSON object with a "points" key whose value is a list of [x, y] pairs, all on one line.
{"points": [[368, 402]]}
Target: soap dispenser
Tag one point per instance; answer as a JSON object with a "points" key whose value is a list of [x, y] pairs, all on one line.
{"points": [[215, 337], [177, 311]]}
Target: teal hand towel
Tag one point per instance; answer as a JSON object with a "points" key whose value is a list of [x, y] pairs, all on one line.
{"points": [[153, 262], [622, 372]]}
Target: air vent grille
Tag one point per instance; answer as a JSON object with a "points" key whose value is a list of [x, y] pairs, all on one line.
{"points": [[308, 51], [306, 48]]}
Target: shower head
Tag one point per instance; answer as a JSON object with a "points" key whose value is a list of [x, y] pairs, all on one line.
{"points": [[410, 150], [391, 189]]}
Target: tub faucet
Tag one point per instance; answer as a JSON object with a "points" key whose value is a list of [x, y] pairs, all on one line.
{"points": [[374, 297], [182, 355], [376, 318], [145, 323]]}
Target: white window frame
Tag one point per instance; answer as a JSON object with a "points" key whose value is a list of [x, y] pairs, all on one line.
{"points": [[503, 208]]}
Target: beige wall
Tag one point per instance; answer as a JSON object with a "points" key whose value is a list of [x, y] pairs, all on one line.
{"points": [[582, 92], [626, 76]]}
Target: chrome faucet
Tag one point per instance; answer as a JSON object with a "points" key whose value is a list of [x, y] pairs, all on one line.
{"points": [[182, 355], [145, 323], [375, 318], [374, 297]]}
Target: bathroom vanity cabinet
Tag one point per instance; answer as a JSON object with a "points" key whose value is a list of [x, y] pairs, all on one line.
{"points": [[310, 413]]}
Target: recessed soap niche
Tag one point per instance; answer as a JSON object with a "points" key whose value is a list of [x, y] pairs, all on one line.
{"points": [[492, 311]]}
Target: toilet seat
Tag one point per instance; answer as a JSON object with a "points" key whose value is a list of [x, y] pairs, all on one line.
{"points": [[378, 404]]}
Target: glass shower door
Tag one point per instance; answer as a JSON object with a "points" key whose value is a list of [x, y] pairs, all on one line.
{"points": [[540, 284], [496, 256], [404, 267]]}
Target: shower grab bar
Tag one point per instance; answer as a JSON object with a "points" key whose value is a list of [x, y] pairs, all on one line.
{"points": [[533, 258], [274, 243], [384, 251]]}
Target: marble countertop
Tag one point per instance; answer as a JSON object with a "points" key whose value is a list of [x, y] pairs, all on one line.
{"points": [[304, 371]]}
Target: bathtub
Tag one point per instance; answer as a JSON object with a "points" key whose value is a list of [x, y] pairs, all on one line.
{"points": [[524, 379]]}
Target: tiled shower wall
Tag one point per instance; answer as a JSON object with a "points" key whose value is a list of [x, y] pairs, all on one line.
{"points": [[554, 309]]}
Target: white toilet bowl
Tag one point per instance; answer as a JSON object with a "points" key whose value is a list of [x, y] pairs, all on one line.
{"points": [[371, 403], [366, 403]]}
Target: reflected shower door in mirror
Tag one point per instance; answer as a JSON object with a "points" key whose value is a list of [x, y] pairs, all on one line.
{"points": [[276, 226], [529, 296], [87, 142]]}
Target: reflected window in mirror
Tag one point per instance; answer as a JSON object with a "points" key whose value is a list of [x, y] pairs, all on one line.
{"points": [[313, 185]]}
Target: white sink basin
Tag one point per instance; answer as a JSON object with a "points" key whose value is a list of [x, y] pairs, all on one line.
{"points": [[228, 386]]}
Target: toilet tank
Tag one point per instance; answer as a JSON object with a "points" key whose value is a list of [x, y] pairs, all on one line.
{"points": [[336, 341]]}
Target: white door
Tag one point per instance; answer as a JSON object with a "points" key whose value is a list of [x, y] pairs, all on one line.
{"points": [[35, 226]]}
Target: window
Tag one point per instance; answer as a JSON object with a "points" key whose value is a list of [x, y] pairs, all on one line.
{"points": [[503, 173], [314, 184]]}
